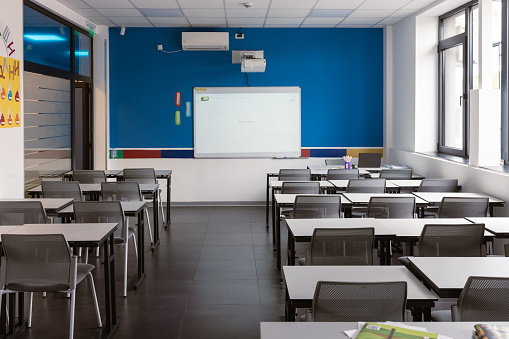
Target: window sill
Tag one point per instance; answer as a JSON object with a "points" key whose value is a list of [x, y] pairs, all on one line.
{"points": [[453, 158], [502, 169]]}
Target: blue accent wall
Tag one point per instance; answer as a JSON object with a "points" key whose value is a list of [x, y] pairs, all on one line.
{"points": [[340, 72]]}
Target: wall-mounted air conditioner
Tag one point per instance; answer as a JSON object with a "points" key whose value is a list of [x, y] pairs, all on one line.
{"points": [[205, 41]]}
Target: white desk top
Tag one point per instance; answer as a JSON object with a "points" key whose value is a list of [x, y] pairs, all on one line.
{"points": [[436, 197], [86, 232], [127, 207], [279, 184], [343, 183], [149, 187], [405, 183], [363, 198], [301, 280], [322, 170], [413, 227], [496, 225], [305, 227], [335, 330], [84, 188], [7, 229], [453, 272], [48, 203], [289, 199]]}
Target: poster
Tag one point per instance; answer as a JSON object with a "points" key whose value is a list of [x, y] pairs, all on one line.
{"points": [[10, 105]]}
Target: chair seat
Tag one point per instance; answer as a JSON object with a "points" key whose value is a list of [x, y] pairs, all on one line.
{"points": [[442, 316]]}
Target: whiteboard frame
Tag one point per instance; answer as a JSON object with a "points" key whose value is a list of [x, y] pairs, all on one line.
{"points": [[266, 89]]}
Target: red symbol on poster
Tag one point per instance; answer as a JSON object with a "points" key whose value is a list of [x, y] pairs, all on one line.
{"points": [[177, 99]]}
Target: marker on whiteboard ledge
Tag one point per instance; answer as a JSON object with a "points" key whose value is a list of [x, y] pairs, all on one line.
{"points": [[286, 158]]}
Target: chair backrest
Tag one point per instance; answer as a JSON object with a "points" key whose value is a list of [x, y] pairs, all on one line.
{"points": [[366, 186], [309, 187], [391, 207], [22, 212], [317, 206], [141, 175], [294, 174], [401, 174], [89, 176], [370, 160], [342, 246], [359, 301], [438, 185], [484, 299], [36, 263], [101, 212], [332, 162], [461, 207], [342, 174], [465, 240], [121, 191], [62, 189]]}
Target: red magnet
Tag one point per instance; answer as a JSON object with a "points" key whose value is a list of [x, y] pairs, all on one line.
{"points": [[177, 99]]}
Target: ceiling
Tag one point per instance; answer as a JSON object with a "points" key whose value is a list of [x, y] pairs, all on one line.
{"points": [[233, 13]]}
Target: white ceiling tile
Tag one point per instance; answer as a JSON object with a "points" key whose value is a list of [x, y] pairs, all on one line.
{"points": [[281, 26], [172, 25], [109, 3], [384, 4], [403, 13], [119, 12], [338, 4], [207, 21], [293, 4], [284, 21], [245, 26], [371, 13], [389, 21], [86, 11], [101, 20], [257, 4], [167, 20], [204, 13], [418, 4], [378, 26], [244, 13], [74, 4], [317, 26], [354, 26], [278, 13], [360, 21], [248, 21], [322, 21], [166, 4], [130, 20], [201, 3]]}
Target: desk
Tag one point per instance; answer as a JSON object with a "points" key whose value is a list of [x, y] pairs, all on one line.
{"points": [[109, 174], [447, 276], [50, 205], [434, 198], [92, 190], [153, 189], [82, 235], [335, 330], [301, 283], [343, 184], [499, 226], [363, 199], [301, 230]]}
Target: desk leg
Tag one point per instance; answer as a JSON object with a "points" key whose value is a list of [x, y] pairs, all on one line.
{"points": [[274, 217], [141, 251], [291, 249], [278, 246], [267, 204], [289, 309], [109, 285], [155, 202], [168, 201]]}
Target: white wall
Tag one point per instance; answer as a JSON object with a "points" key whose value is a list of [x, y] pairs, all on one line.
{"points": [[11, 139]]}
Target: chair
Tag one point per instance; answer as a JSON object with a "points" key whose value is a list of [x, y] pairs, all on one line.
{"points": [[311, 187], [366, 186], [22, 212], [317, 206], [359, 301], [62, 189], [342, 246], [482, 299], [342, 174], [89, 176], [370, 160], [391, 207], [463, 207], [397, 174], [294, 174], [335, 162], [38, 263], [465, 240], [144, 176], [125, 191], [107, 211], [438, 185]]}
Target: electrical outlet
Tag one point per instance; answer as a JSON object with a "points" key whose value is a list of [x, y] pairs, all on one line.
{"points": [[239, 36]]}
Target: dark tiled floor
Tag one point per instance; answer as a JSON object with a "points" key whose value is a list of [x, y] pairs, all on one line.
{"points": [[213, 276]]}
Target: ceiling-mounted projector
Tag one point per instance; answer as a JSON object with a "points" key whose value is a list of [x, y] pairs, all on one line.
{"points": [[252, 65]]}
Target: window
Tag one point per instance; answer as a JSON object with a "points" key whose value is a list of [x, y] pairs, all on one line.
{"points": [[457, 73]]}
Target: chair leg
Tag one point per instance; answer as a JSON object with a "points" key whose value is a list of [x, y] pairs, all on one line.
{"points": [[135, 246], [147, 221], [30, 303], [125, 267], [71, 318], [161, 208], [94, 296]]}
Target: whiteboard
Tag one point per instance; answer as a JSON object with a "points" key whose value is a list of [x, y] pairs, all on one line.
{"points": [[247, 122]]}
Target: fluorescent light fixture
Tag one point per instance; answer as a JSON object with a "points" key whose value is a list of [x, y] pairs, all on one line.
{"points": [[161, 12], [81, 53], [43, 37], [330, 13]]}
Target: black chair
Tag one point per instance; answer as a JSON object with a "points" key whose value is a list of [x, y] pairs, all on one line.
{"points": [[22, 212], [89, 176], [62, 189], [397, 174], [294, 174], [482, 299], [317, 206], [366, 186], [463, 207], [370, 160], [342, 174], [465, 240], [438, 185], [335, 162], [359, 301], [391, 207]]}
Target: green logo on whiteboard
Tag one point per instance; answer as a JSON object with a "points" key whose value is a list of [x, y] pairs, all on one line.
{"points": [[204, 98]]}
